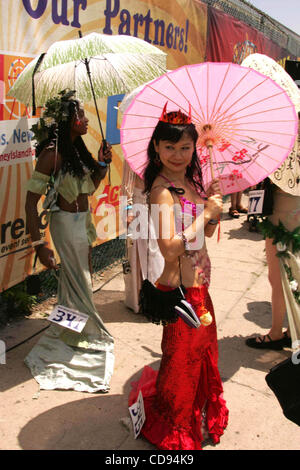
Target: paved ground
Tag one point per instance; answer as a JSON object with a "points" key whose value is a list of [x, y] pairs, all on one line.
{"points": [[63, 420]]}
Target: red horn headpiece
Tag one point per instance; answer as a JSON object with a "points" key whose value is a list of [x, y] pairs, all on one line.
{"points": [[176, 117]]}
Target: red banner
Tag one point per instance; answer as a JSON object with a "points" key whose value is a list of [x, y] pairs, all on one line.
{"points": [[231, 40]]}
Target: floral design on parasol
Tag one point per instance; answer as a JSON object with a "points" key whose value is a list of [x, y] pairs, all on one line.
{"points": [[287, 176], [247, 124]]}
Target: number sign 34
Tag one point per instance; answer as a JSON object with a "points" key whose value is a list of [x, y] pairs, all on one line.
{"points": [[68, 318]]}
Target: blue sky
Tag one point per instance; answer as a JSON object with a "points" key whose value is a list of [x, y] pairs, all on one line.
{"points": [[286, 12]]}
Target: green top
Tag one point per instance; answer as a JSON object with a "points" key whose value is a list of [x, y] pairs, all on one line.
{"points": [[69, 186]]}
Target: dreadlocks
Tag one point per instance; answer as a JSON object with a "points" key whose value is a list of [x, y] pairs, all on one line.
{"points": [[74, 154]]}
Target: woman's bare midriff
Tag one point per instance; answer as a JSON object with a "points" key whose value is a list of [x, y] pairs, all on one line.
{"points": [[80, 205], [190, 276]]}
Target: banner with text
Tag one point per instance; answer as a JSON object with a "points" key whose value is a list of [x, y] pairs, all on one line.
{"points": [[29, 27]]}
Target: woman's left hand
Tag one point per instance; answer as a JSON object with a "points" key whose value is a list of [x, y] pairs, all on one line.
{"points": [[214, 188], [106, 155]]}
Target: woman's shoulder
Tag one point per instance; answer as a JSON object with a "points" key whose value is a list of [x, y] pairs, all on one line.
{"points": [[48, 160], [159, 192], [159, 185]]}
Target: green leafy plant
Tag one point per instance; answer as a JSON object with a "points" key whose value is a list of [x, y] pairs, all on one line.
{"points": [[16, 301], [56, 110], [284, 241], [280, 234]]}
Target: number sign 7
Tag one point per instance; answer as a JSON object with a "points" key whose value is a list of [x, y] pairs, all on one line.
{"points": [[256, 199]]}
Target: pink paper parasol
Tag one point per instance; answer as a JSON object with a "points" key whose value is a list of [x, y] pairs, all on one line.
{"points": [[247, 124]]}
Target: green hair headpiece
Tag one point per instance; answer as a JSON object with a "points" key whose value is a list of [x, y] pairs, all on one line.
{"points": [[56, 110]]}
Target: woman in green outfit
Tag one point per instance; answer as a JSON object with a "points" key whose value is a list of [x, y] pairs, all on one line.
{"points": [[281, 231], [65, 359]]}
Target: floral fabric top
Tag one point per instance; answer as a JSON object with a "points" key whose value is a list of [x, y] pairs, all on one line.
{"points": [[198, 260]]}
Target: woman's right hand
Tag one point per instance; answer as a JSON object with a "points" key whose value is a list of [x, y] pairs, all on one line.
{"points": [[46, 257], [214, 206], [105, 152]]}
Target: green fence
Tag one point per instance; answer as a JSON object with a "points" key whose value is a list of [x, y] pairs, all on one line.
{"points": [[103, 256]]}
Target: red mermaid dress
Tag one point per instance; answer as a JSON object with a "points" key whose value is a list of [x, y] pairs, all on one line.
{"points": [[186, 395]]}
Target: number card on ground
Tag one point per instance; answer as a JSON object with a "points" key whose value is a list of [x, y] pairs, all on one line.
{"points": [[256, 201], [137, 413], [68, 318]]}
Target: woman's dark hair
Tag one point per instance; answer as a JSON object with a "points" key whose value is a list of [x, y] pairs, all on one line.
{"points": [[72, 162], [172, 133]]}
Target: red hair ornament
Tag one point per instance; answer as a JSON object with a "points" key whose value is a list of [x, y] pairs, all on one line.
{"points": [[176, 117]]}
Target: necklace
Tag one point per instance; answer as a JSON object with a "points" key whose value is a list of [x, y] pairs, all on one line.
{"points": [[85, 170], [174, 181]]}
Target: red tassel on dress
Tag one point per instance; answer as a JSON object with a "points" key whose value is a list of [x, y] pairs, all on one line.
{"points": [[186, 394]]}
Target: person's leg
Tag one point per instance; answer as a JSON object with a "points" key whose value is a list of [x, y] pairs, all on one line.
{"points": [[233, 209], [278, 302], [275, 335], [233, 200], [239, 206]]}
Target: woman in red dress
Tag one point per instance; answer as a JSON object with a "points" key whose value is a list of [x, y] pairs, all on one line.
{"points": [[183, 400]]}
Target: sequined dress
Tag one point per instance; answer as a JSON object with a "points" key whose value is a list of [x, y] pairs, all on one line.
{"points": [[184, 399]]}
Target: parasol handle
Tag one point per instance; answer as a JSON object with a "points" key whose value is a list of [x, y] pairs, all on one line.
{"points": [[95, 102], [209, 145], [36, 68], [94, 97]]}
